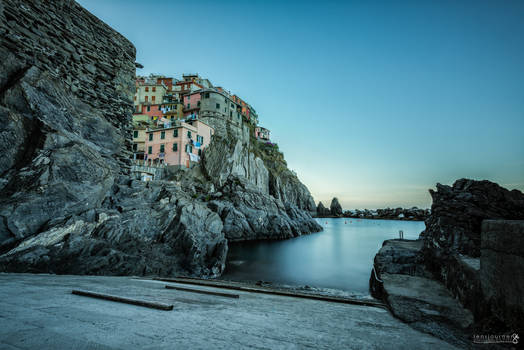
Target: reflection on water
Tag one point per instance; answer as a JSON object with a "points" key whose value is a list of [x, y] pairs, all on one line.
{"points": [[340, 257]]}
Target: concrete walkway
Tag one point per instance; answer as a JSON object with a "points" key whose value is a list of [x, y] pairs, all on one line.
{"points": [[39, 312]]}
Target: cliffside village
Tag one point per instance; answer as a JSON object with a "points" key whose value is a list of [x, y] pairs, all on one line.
{"points": [[171, 119]]}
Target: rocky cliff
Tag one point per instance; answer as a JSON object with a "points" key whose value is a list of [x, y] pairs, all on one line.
{"points": [[67, 202], [469, 254]]}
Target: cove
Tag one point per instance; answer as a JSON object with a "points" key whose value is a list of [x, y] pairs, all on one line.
{"points": [[340, 257]]}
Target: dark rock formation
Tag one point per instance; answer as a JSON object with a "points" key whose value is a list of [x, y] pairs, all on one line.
{"points": [[457, 213], [501, 277], [410, 214], [322, 211], [67, 202], [475, 259], [335, 208]]}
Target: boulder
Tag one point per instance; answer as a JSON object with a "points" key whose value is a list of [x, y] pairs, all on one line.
{"points": [[335, 208], [457, 213]]}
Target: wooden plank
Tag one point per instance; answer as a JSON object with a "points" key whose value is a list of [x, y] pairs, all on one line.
{"points": [[229, 295], [216, 284], [150, 304]]}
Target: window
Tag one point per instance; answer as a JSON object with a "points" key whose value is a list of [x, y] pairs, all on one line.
{"points": [[159, 108], [175, 133], [175, 147], [150, 150], [147, 98], [135, 97], [162, 148], [189, 149], [135, 134], [232, 106], [148, 108], [154, 88], [206, 95], [218, 106], [162, 135], [153, 98], [230, 114], [189, 97], [147, 88], [135, 147], [198, 104], [199, 152], [188, 105], [151, 137], [189, 134], [200, 139]]}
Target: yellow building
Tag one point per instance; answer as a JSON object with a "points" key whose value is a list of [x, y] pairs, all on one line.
{"points": [[173, 111]]}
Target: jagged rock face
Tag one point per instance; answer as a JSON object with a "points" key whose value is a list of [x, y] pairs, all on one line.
{"points": [[67, 204], [232, 159], [233, 153], [457, 213], [335, 208], [246, 205]]}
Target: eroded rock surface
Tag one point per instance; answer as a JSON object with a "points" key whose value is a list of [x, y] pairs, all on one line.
{"points": [[464, 255], [67, 201]]}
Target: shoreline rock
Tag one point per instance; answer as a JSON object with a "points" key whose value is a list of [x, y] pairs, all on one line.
{"points": [[464, 254]]}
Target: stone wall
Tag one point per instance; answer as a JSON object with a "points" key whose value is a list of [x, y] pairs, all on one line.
{"points": [[501, 271], [94, 63]]}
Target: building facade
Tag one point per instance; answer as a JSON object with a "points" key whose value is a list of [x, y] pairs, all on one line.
{"points": [[262, 133], [179, 144]]}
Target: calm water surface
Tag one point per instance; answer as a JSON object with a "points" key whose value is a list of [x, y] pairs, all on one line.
{"points": [[339, 257]]}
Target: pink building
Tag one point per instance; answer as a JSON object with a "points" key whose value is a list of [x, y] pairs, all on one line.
{"points": [[154, 111], [192, 104], [262, 133], [177, 145]]}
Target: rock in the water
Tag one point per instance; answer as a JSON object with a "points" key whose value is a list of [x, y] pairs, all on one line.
{"points": [[335, 208], [322, 210]]}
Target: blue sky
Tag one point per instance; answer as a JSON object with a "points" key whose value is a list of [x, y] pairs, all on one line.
{"points": [[372, 102]]}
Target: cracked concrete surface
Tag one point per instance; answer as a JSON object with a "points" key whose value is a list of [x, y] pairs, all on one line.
{"points": [[39, 312]]}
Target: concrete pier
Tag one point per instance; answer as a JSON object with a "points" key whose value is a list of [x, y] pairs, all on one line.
{"points": [[39, 312]]}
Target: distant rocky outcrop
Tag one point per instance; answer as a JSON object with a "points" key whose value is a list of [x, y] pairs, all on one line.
{"points": [[322, 211], [409, 214], [335, 208], [471, 247], [67, 201]]}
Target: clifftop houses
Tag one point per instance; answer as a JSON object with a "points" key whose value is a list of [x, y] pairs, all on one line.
{"points": [[168, 121]]}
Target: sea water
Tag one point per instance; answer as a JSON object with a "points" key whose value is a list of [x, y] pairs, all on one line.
{"points": [[340, 257]]}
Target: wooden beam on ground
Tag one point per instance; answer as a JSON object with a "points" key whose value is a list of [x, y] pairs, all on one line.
{"points": [[150, 304], [229, 295], [272, 291]]}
